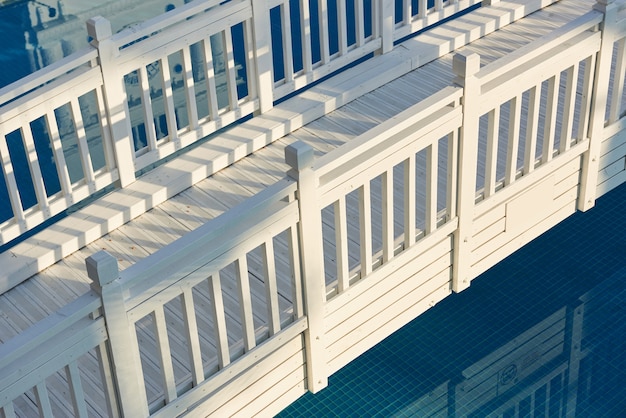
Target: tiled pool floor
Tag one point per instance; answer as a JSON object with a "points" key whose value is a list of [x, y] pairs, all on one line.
{"points": [[419, 370]]}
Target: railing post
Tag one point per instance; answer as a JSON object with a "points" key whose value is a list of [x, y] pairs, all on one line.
{"points": [[386, 24], [99, 29], [465, 67], [102, 269], [263, 54], [591, 158], [299, 156]]}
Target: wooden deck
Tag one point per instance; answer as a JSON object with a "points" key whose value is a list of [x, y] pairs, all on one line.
{"points": [[66, 280]]}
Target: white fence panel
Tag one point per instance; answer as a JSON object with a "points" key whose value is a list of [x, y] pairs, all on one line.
{"points": [[416, 151], [52, 368], [211, 297], [55, 145]]}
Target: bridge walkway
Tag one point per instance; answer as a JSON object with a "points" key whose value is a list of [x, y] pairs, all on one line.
{"points": [[64, 281]]}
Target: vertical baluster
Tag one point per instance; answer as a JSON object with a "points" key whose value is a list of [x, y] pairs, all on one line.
{"points": [[190, 90], [387, 215], [438, 5], [409, 201], [305, 25], [453, 167], [83, 147], [33, 166], [191, 330], [163, 346], [271, 287], [108, 380], [568, 108], [406, 12], [59, 156], [618, 82], [11, 183], [43, 400], [8, 410], [343, 27], [259, 47], [219, 320], [531, 129], [552, 104], [515, 116], [384, 24], [285, 16], [341, 244], [422, 6], [365, 228], [230, 69], [76, 390], [168, 97], [109, 156], [146, 102], [585, 101], [491, 160], [245, 300], [294, 253], [210, 80], [359, 14], [323, 24], [432, 155]]}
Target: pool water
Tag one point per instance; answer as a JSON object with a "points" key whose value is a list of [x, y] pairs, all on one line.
{"points": [[516, 329]]}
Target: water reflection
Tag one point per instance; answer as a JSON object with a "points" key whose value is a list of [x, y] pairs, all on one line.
{"points": [[509, 354]]}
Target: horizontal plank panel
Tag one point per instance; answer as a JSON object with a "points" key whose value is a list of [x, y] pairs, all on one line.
{"points": [[368, 306], [402, 312], [267, 373], [504, 249], [425, 251], [566, 163]]}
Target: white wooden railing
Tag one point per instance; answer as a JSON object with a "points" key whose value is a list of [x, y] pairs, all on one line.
{"points": [[286, 288], [99, 116]]}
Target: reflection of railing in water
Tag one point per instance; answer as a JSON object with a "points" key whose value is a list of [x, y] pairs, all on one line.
{"points": [[182, 40]]}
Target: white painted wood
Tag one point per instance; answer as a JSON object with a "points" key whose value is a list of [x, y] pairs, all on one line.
{"points": [[287, 42], [293, 235], [299, 157], [551, 118], [76, 390], [569, 108], [165, 354], [388, 215], [341, 243], [465, 67], [597, 79], [343, 27], [227, 40], [617, 87], [409, 201], [324, 41], [513, 143], [210, 80], [491, 159], [271, 289], [59, 156], [530, 144], [246, 303], [43, 400], [261, 48], [219, 320], [102, 269], [100, 31], [190, 91], [432, 171], [365, 228]]}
